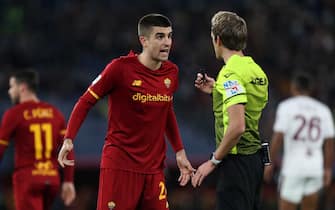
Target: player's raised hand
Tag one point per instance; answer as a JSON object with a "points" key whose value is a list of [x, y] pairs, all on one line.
{"points": [[185, 168], [64, 151], [204, 83]]}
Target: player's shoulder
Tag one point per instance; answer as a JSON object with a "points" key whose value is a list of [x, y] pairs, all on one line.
{"points": [[123, 59], [321, 105], [48, 105], [169, 65]]}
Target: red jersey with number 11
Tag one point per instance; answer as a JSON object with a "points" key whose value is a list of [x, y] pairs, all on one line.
{"points": [[37, 129]]}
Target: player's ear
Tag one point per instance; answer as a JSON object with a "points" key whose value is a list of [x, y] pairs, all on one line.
{"points": [[218, 40], [143, 41], [23, 87]]}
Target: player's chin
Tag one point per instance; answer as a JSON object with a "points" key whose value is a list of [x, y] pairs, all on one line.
{"points": [[163, 56]]}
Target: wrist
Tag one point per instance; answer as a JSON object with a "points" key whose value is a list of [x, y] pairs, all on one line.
{"points": [[214, 160]]}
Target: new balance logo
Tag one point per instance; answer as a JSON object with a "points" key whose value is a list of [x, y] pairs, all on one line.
{"points": [[137, 83]]}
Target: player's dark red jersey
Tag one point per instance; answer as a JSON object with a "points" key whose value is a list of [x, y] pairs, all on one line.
{"points": [[140, 114], [37, 129]]}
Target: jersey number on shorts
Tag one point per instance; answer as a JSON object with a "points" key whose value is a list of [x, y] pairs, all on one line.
{"points": [[42, 131], [312, 126], [162, 194]]}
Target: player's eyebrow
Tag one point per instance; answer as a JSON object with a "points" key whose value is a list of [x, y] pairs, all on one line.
{"points": [[163, 34]]}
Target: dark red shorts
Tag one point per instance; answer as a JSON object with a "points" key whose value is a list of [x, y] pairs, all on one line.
{"points": [[34, 191], [129, 190]]}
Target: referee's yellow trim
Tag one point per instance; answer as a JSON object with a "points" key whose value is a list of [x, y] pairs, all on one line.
{"points": [[93, 94], [3, 142], [233, 150]]}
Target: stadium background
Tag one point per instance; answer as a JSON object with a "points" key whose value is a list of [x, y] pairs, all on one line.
{"points": [[70, 42]]}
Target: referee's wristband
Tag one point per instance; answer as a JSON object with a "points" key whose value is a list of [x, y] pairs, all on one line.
{"points": [[214, 160]]}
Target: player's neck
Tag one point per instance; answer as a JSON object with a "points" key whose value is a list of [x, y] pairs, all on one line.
{"points": [[226, 54], [28, 97], [148, 62]]}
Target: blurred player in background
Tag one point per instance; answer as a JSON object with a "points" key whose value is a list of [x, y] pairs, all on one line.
{"points": [[305, 126], [140, 92], [240, 93], [37, 129]]}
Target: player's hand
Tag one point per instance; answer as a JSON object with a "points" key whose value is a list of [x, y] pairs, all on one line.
{"points": [[268, 173], [64, 151], [202, 172], [185, 168], [204, 83], [68, 193]]}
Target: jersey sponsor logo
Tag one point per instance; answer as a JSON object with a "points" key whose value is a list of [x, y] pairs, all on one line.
{"points": [[167, 82], [96, 79], [259, 81], [143, 98], [137, 83], [44, 168], [232, 88], [228, 75], [38, 113]]}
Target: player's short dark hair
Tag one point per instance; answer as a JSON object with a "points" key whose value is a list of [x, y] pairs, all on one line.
{"points": [[231, 29], [29, 77], [303, 82], [148, 21]]}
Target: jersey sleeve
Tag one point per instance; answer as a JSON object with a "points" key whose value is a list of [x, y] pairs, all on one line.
{"points": [[329, 125], [7, 127], [172, 131], [68, 170], [107, 80], [101, 86], [280, 120], [231, 86]]}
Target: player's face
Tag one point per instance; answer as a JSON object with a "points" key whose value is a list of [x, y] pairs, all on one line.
{"points": [[14, 91], [159, 42]]}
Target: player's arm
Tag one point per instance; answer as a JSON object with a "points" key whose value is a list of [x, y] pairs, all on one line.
{"points": [[328, 149], [235, 129], [234, 97], [173, 135], [277, 141], [7, 127], [78, 114], [103, 84], [68, 192]]}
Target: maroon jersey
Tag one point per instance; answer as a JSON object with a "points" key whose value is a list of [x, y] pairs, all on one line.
{"points": [[37, 129], [140, 113]]}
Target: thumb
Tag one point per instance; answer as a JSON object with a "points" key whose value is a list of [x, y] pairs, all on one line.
{"points": [[189, 167]]}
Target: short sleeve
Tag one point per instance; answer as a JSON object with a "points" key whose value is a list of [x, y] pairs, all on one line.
{"points": [[280, 120], [231, 86], [329, 125]]}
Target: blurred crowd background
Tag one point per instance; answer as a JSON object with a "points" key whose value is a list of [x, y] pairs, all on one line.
{"points": [[70, 42]]}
